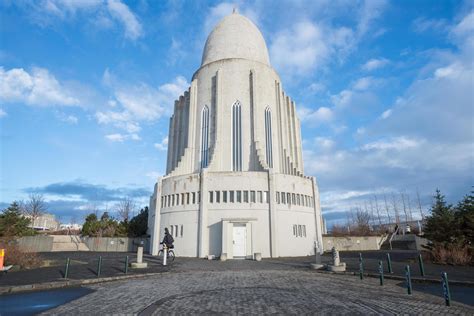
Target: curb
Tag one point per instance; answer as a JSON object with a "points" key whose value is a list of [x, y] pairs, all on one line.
{"points": [[70, 283], [400, 278]]}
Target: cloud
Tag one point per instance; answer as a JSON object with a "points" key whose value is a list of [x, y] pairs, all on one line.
{"points": [[134, 103], [37, 88], [307, 46], [363, 83], [318, 116], [163, 145], [386, 114], [70, 119], [100, 13], [121, 137], [373, 64], [396, 143], [423, 24], [80, 190], [120, 11], [3, 113]]}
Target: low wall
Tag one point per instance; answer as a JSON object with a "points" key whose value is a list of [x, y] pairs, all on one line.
{"points": [[53, 243], [352, 243], [36, 243]]}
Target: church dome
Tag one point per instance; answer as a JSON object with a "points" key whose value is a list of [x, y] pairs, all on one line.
{"points": [[235, 37]]}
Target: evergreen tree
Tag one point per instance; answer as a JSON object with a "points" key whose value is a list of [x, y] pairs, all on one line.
{"points": [[139, 224], [464, 218], [441, 224], [13, 224]]}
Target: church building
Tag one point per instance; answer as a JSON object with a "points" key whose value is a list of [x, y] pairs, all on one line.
{"points": [[234, 183]]}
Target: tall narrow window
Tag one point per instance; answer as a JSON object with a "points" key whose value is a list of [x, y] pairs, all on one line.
{"points": [[236, 137], [205, 137], [268, 136]]}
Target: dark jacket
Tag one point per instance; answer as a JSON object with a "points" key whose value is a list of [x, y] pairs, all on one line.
{"points": [[168, 240]]}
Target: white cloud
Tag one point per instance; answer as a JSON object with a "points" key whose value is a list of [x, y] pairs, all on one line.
{"points": [[363, 83], [3, 113], [38, 87], [122, 137], [120, 11], [163, 145], [318, 116], [102, 14], [423, 24], [70, 119], [307, 46], [140, 102], [396, 143], [386, 114], [374, 63], [153, 174]]}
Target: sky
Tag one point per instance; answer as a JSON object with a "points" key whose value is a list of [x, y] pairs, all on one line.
{"points": [[384, 91]]}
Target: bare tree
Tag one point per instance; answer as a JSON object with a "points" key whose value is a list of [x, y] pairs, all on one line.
{"points": [[409, 208], [363, 222], [395, 208], [377, 209], [124, 208], [404, 207], [386, 207], [35, 206], [419, 204]]}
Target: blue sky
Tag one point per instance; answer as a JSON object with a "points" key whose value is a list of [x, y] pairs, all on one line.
{"points": [[384, 91]]}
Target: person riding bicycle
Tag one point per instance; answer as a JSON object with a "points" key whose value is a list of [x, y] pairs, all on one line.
{"points": [[168, 239]]}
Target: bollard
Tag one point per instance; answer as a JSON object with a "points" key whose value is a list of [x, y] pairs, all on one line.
{"points": [[126, 264], [99, 264], [381, 272], [2, 257], [361, 266], [408, 278], [389, 263], [446, 292], [165, 255], [66, 270], [422, 268]]}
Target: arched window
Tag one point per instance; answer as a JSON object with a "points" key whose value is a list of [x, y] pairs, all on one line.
{"points": [[236, 137], [268, 136], [204, 137]]}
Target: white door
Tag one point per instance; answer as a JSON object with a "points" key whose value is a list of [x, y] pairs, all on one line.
{"points": [[240, 238]]}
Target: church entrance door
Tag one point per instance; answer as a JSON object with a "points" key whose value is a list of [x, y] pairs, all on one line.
{"points": [[240, 241]]}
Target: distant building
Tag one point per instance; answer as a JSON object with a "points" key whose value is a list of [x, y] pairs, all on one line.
{"points": [[44, 222], [70, 226]]}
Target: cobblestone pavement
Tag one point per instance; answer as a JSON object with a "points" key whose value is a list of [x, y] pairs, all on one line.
{"points": [[255, 291]]}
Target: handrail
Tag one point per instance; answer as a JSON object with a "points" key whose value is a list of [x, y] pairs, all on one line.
{"points": [[393, 235]]}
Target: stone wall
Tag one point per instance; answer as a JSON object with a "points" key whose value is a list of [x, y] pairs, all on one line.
{"points": [[353, 243]]}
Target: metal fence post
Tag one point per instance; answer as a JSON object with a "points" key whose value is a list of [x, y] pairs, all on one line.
{"points": [[126, 264], [381, 272], [422, 268], [446, 292], [408, 279], [99, 264], [389, 263], [66, 270], [361, 266]]}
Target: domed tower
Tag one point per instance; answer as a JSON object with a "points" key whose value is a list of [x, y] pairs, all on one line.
{"points": [[234, 183]]}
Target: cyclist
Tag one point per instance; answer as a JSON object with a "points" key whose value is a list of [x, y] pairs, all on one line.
{"points": [[168, 239]]}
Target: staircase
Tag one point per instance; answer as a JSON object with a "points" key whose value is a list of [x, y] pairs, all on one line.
{"points": [[68, 243]]}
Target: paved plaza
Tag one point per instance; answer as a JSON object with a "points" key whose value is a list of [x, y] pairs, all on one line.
{"points": [[247, 287]]}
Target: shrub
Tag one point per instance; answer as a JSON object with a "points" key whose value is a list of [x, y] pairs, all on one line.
{"points": [[14, 256], [452, 254]]}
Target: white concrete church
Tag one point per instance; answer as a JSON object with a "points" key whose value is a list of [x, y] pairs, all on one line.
{"points": [[234, 183]]}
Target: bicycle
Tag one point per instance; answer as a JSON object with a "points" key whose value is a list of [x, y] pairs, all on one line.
{"points": [[170, 254]]}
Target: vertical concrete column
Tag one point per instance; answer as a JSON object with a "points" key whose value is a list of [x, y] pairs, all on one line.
{"points": [[272, 214], [169, 162], [155, 214], [193, 122], [225, 228], [317, 213], [299, 145], [203, 238]]}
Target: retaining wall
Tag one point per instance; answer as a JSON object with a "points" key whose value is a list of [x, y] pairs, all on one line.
{"points": [[352, 243], [52, 243]]}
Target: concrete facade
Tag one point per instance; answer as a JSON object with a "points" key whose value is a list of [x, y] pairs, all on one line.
{"points": [[235, 159]]}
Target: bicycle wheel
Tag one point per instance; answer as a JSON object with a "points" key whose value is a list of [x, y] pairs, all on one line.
{"points": [[171, 255], [160, 255]]}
